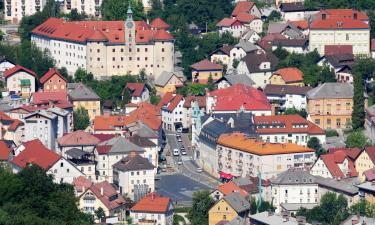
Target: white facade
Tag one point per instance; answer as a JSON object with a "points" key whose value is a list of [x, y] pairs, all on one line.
{"points": [[237, 29], [42, 128], [161, 218], [253, 38], [5, 65], [64, 172], [236, 53], [261, 79], [145, 96], [13, 83], [89, 7], [256, 25], [15, 10], [296, 101], [170, 118], [293, 16], [297, 138]]}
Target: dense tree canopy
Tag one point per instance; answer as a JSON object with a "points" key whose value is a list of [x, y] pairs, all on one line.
{"points": [[202, 202], [356, 139], [81, 119], [117, 9]]}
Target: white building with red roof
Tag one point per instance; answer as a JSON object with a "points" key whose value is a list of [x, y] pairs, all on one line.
{"points": [[138, 92], [287, 129], [172, 111], [238, 97], [34, 152], [107, 48], [20, 80], [246, 7], [153, 209], [88, 7]]}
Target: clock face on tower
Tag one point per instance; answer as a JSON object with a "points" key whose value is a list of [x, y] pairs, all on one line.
{"points": [[129, 24]]}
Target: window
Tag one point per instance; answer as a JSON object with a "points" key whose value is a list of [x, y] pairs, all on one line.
{"points": [[317, 121], [138, 50], [113, 50], [98, 50], [61, 164], [347, 37], [67, 170], [132, 173], [113, 58]]}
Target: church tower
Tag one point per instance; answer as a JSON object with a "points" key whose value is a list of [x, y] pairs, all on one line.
{"points": [[130, 32]]}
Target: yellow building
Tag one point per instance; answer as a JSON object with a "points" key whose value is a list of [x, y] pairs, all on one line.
{"points": [[201, 71], [287, 76], [330, 105], [82, 96], [364, 162], [228, 208], [169, 82]]}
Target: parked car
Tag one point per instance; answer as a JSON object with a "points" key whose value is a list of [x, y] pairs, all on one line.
{"points": [[179, 130], [199, 170], [179, 139], [183, 152], [176, 152], [179, 162]]}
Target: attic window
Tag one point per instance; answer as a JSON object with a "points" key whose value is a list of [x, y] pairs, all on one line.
{"points": [[141, 37], [117, 37]]}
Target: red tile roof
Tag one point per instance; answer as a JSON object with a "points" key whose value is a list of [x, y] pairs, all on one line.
{"points": [[352, 153], [167, 97], [338, 24], [17, 68], [4, 151], [301, 24], [242, 7], [371, 153], [370, 174], [152, 203], [290, 74], [332, 161], [158, 23], [246, 17], [49, 74], [36, 153], [16, 123], [108, 192], [206, 65], [288, 123], [110, 31], [230, 187], [170, 101], [104, 137], [372, 44], [81, 183], [40, 98], [136, 89], [240, 96], [227, 22], [342, 14], [78, 138], [338, 49], [200, 99]]}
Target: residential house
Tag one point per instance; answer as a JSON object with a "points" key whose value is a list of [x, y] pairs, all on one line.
{"points": [[266, 42], [367, 191], [251, 22], [153, 209], [251, 186], [270, 218], [232, 79], [259, 67], [134, 176], [302, 25], [11, 129], [340, 27], [299, 46], [5, 64], [285, 30], [370, 122], [77, 139], [341, 64], [83, 160], [232, 26], [5, 153], [82, 96], [34, 152], [250, 36], [189, 108], [227, 189], [292, 11], [284, 97], [358, 220], [287, 129], [221, 55], [337, 164], [169, 82], [228, 208], [240, 50], [109, 152], [246, 7], [148, 144], [20, 80], [53, 81], [203, 70], [138, 92], [287, 76], [365, 161], [172, 111], [238, 97], [330, 105], [93, 196]]}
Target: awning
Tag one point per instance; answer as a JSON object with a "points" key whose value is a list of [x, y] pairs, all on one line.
{"points": [[225, 175]]}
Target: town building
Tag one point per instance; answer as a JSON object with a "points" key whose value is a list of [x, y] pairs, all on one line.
{"points": [[149, 143], [88, 7], [270, 218], [5, 64], [82, 96], [227, 189], [138, 92], [241, 156], [287, 129], [285, 30], [292, 11], [364, 162], [11, 129], [330, 105], [172, 111], [367, 191], [189, 107], [169, 82], [287, 76], [341, 64], [153, 209], [20, 81], [203, 70], [221, 55], [77, 139], [53, 81], [134, 176], [238, 25], [107, 48], [83, 160], [246, 7], [299, 46], [250, 36], [15, 10], [232, 79], [240, 50]]}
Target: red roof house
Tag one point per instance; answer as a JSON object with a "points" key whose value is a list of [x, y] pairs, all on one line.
{"points": [[152, 203], [159, 24], [53, 81], [289, 75], [78, 138], [4, 151], [201, 71], [242, 7], [15, 69]]}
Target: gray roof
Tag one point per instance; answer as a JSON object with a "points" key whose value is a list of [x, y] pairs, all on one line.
{"points": [[294, 176], [338, 60], [133, 162], [80, 91], [246, 46], [282, 90], [292, 7], [58, 111], [238, 79], [293, 33], [368, 186], [247, 34], [276, 27], [141, 141], [237, 202], [121, 145], [331, 90], [290, 42], [297, 206], [345, 186], [254, 60], [362, 220], [165, 76], [43, 113], [213, 130], [76, 153], [273, 219], [237, 221]]}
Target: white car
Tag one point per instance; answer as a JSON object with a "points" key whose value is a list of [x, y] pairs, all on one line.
{"points": [[176, 152], [199, 170], [179, 162], [183, 152]]}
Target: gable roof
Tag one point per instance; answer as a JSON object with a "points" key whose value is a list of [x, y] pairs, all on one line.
{"points": [[225, 50], [242, 7], [200, 99], [292, 7], [117, 145], [36, 153], [78, 138], [158, 23], [331, 90], [237, 79], [110, 198], [17, 68], [227, 22], [370, 174], [290, 74], [254, 60], [230, 187], [39, 98], [81, 93], [237, 202], [136, 89], [206, 65], [338, 49], [332, 160], [341, 59], [165, 76], [281, 90], [245, 17], [338, 24], [170, 101], [301, 24], [294, 176], [152, 203], [133, 162], [246, 46], [49, 74]]}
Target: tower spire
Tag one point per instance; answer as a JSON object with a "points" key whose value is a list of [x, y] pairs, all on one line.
{"points": [[129, 12]]}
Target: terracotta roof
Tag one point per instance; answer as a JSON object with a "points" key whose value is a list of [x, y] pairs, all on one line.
{"points": [[206, 65], [240, 142], [287, 124], [110, 31], [338, 49], [39, 98], [245, 17], [352, 153], [9, 72], [332, 161], [371, 153], [230, 187], [301, 24], [36, 153], [290, 74], [4, 151], [110, 198], [15, 124], [136, 89], [242, 7], [200, 99], [49, 74], [240, 96], [227, 22], [372, 44], [152, 203], [78, 138], [338, 24], [104, 137], [158, 23], [167, 97], [341, 14], [170, 101], [370, 174], [81, 183]]}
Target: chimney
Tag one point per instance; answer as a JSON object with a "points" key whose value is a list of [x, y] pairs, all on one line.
{"points": [[355, 16], [324, 16], [101, 191]]}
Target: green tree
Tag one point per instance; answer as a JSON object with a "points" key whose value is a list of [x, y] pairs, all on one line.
{"points": [[178, 220], [210, 83], [64, 72], [294, 111], [100, 214], [274, 16], [75, 16], [363, 208], [202, 202], [356, 139], [117, 9], [82, 76], [280, 53], [315, 144], [81, 119], [156, 9], [327, 75], [235, 63]]}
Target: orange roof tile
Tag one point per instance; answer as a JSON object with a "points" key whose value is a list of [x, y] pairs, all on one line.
{"points": [[245, 17], [332, 161], [158, 23], [206, 65], [78, 138], [227, 22], [16, 123], [13, 70], [136, 89], [240, 142], [301, 24], [242, 7], [338, 24], [230, 187], [4, 151], [342, 14], [290, 74], [152, 203], [49, 74]]}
